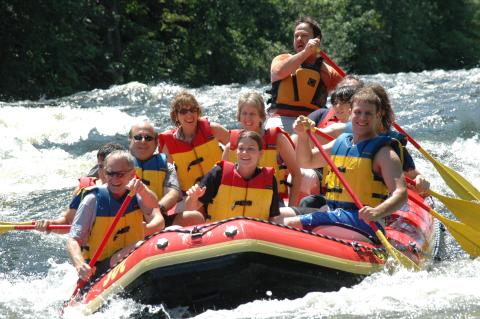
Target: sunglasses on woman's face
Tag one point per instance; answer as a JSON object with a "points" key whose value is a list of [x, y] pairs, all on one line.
{"points": [[139, 137], [185, 111]]}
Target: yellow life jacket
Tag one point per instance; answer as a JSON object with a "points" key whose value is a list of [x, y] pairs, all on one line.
{"points": [[192, 160], [152, 172], [270, 157], [355, 162], [239, 197], [303, 91], [129, 229]]}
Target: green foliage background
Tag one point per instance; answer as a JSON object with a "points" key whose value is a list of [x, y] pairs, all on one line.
{"points": [[57, 47]]}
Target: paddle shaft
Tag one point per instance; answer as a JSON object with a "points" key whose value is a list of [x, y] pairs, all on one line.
{"points": [[32, 227], [332, 64], [324, 135], [101, 247]]}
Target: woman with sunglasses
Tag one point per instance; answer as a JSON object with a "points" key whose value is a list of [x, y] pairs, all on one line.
{"points": [[278, 151], [194, 144], [238, 189]]}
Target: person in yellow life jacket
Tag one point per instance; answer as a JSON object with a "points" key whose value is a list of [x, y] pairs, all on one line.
{"points": [[368, 162], [98, 209], [300, 82], [278, 151], [238, 189], [158, 174], [193, 146], [95, 177]]}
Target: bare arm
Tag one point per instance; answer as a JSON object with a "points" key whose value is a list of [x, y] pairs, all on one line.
{"points": [[75, 253], [193, 194], [285, 64], [306, 157], [170, 198], [334, 130], [287, 152], [220, 133], [422, 185], [226, 152], [154, 222], [149, 198], [388, 163]]}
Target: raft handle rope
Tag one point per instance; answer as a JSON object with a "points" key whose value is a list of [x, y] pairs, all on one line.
{"points": [[199, 231]]}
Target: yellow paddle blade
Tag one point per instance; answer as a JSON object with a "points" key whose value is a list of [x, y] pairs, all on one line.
{"points": [[6, 228], [466, 211], [398, 256], [459, 185], [467, 237], [29, 222]]}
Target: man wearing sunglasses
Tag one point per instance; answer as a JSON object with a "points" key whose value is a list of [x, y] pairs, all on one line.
{"points": [[158, 174], [99, 208]]}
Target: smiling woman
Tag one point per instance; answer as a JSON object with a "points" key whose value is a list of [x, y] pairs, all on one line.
{"points": [[238, 189], [194, 145]]}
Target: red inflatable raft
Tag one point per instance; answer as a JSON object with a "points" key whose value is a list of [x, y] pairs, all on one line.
{"points": [[227, 263]]}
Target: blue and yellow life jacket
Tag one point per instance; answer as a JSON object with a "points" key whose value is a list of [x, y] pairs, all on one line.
{"points": [[239, 197], [355, 162], [303, 92], [152, 172], [192, 160], [270, 156], [128, 231]]}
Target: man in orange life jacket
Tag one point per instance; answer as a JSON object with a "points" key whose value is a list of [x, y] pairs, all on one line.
{"points": [[300, 82], [98, 209]]}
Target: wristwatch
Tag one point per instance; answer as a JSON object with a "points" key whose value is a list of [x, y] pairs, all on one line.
{"points": [[163, 210]]}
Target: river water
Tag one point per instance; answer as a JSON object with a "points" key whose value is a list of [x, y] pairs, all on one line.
{"points": [[47, 144]]}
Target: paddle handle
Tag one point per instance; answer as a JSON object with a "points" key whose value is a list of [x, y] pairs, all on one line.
{"points": [[332, 64]]}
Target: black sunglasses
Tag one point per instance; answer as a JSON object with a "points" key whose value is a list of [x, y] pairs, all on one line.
{"points": [[116, 174], [185, 111], [139, 137]]}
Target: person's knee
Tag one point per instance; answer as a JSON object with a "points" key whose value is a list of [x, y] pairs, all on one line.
{"points": [[189, 218], [313, 201], [292, 222]]}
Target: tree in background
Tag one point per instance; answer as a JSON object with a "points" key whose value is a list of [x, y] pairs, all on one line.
{"points": [[53, 48]]}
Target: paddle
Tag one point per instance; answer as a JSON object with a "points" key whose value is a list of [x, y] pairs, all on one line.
{"points": [[30, 222], [398, 256], [459, 185], [466, 236], [466, 211], [103, 243], [9, 227], [324, 135], [332, 64]]}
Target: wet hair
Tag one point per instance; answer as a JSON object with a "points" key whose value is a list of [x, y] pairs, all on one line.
{"points": [[367, 95], [343, 94], [183, 98], [254, 136], [122, 155], [108, 148], [386, 111], [254, 99], [317, 32]]}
